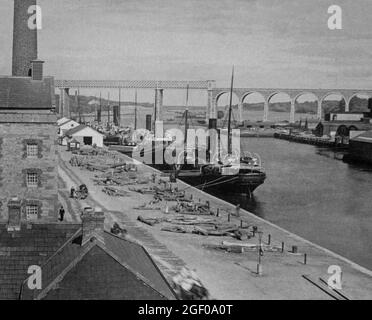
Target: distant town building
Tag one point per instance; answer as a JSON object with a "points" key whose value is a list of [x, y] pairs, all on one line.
{"points": [[343, 124]]}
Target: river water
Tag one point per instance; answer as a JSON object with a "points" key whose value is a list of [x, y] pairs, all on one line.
{"points": [[311, 193]]}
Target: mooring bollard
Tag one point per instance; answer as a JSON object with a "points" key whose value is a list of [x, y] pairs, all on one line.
{"points": [[259, 269], [237, 210]]}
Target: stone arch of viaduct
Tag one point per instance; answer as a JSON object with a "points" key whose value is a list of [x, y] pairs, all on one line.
{"points": [[213, 93], [241, 93]]}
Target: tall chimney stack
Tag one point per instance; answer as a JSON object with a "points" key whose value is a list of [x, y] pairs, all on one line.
{"points": [[24, 39]]}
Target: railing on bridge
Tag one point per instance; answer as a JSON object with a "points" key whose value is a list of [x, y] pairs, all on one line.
{"points": [[132, 84]]}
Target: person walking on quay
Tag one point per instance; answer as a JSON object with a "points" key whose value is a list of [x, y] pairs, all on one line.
{"points": [[61, 213], [72, 192]]}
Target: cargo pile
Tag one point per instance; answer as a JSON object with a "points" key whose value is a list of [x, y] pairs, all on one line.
{"points": [[115, 172]]}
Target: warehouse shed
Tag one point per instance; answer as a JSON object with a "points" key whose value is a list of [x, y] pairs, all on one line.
{"points": [[85, 135]]}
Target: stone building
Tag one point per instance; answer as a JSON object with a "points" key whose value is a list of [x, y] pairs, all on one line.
{"points": [[28, 131], [28, 138]]}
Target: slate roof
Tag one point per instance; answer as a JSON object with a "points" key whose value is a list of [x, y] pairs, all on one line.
{"points": [[113, 269], [18, 93], [65, 122], [30, 246], [79, 128]]}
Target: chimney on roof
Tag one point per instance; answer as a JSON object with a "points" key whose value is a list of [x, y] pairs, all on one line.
{"points": [[24, 38], [37, 69], [14, 214], [93, 224]]}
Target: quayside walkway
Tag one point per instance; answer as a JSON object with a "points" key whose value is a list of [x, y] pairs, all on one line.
{"points": [[228, 272]]}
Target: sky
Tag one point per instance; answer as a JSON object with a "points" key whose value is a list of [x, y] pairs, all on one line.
{"points": [[271, 43]]}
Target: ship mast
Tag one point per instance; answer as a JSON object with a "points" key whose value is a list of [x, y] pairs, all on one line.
{"points": [[135, 111], [155, 108], [229, 142], [186, 115]]}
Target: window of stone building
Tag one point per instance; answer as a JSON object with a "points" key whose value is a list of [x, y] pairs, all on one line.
{"points": [[32, 212], [32, 180], [32, 150]]}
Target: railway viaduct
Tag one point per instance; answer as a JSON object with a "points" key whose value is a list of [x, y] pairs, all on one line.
{"points": [[214, 93]]}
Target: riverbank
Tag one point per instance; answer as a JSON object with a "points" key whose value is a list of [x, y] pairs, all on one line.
{"points": [[227, 275], [316, 141]]}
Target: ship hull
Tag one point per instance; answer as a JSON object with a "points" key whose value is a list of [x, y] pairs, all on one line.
{"points": [[243, 183]]}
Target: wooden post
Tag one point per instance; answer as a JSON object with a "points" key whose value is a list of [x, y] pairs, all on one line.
{"points": [[228, 217], [282, 246], [218, 212], [269, 239], [305, 258], [259, 251]]}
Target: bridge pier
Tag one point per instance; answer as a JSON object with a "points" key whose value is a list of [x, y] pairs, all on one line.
{"points": [[159, 97], [266, 110], [347, 104], [319, 110], [240, 111], [64, 107], [292, 112]]}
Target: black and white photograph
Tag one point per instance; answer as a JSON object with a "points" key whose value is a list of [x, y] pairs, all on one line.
{"points": [[185, 155]]}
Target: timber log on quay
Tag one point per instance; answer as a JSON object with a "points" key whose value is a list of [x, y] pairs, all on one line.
{"points": [[316, 141], [236, 254]]}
